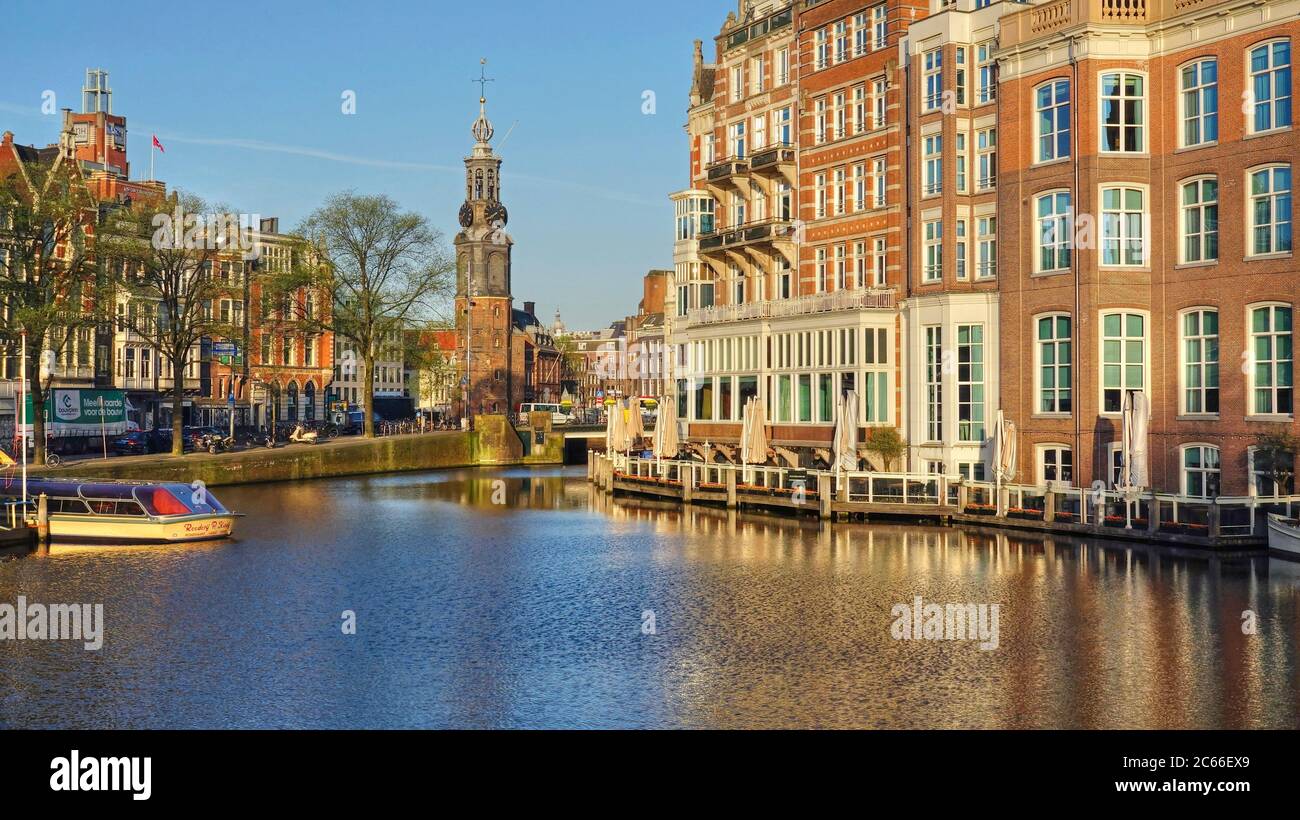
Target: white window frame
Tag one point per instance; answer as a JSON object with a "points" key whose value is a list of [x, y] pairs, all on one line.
{"points": [[1203, 365], [932, 251], [1201, 207], [1064, 222], [1125, 226], [1184, 472], [1053, 106], [1198, 91], [1251, 75], [1275, 227], [1059, 391], [1040, 461], [932, 80], [986, 247], [1253, 362], [1124, 362], [1142, 126]]}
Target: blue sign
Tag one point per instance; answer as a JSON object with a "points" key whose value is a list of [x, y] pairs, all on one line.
{"points": [[223, 348], [230, 401]]}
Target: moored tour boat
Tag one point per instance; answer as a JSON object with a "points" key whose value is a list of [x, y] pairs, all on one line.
{"points": [[126, 512], [1284, 536]]}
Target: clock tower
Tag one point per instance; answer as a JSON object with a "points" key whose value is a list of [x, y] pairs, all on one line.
{"points": [[484, 305]]}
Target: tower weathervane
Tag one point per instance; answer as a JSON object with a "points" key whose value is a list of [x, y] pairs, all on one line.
{"points": [[483, 80]]}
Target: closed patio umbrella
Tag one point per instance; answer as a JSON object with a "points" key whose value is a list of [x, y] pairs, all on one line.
{"points": [[635, 425], [1004, 455], [746, 420], [617, 428], [666, 442], [757, 450], [1137, 423], [1136, 426], [845, 439]]}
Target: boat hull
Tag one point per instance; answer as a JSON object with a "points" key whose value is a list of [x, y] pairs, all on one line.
{"points": [[1283, 537], [140, 530]]}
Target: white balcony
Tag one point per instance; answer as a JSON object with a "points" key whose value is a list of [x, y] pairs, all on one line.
{"points": [[835, 301]]}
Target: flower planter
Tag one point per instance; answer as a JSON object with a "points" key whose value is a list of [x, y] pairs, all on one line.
{"points": [[1025, 515], [980, 509]]}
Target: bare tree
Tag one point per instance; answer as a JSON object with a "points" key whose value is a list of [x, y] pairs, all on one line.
{"points": [[47, 273], [387, 270], [166, 259]]}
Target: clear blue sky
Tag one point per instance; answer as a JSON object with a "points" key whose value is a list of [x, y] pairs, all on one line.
{"points": [[246, 99]]}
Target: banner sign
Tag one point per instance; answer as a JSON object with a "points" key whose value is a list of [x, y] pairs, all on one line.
{"points": [[71, 412]]}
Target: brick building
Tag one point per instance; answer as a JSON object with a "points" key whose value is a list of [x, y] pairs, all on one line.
{"points": [[790, 254], [1146, 185]]}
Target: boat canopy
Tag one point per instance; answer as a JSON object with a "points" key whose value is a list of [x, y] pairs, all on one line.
{"points": [[155, 498]]}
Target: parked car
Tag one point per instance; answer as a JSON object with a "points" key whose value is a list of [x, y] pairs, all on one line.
{"points": [[133, 444]]}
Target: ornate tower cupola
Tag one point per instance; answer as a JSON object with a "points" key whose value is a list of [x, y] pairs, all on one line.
{"points": [[483, 247]]}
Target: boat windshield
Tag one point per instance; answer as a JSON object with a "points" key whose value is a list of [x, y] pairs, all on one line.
{"points": [[177, 499]]}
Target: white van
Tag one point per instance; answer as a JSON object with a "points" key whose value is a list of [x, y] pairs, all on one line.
{"points": [[558, 416]]}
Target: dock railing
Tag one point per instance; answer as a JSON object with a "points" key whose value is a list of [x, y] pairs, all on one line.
{"points": [[14, 515], [1055, 503]]}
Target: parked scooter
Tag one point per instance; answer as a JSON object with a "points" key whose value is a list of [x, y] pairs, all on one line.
{"points": [[303, 436], [218, 444]]}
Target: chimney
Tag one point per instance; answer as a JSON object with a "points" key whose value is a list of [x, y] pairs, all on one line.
{"points": [[530, 308]]}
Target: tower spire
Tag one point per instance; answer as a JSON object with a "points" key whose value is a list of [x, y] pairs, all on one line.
{"points": [[482, 128]]}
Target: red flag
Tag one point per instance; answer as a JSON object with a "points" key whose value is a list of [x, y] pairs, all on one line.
{"points": [[158, 145]]}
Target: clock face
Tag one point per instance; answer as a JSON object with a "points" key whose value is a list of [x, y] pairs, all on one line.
{"points": [[496, 214], [466, 215]]}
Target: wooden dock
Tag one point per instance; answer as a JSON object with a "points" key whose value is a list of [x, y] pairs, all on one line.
{"points": [[1220, 525]]}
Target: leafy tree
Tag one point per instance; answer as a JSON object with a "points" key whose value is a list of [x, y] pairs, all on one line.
{"points": [[47, 272], [886, 443], [170, 262], [1275, 454], [388, 270]]}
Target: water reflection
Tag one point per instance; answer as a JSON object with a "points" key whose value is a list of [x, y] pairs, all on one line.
{"points": [[515, 598]]}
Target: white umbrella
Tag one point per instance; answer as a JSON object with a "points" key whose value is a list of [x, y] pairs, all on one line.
{"points": [[1136, 424], [1004, 448], [845, 439], [757, 439], [666, 442], [746, 420], [617, 428], [635, 424], [1004, 455]]}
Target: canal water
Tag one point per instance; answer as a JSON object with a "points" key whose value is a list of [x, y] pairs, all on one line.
{"points": [[523, 599]]}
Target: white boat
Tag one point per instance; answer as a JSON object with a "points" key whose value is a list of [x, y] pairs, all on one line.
{"points": [[1284, 536], [127, 512]]}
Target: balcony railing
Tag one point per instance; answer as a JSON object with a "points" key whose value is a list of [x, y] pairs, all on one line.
{"points": [[758, 231], [724, 168], [771, 158], [1048, 18], [840, 300]]}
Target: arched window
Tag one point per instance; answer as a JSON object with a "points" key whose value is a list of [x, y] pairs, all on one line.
{"points": [[478, 183], [309, 401], [1052, 120], [1200, 470], [291, 402]]}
